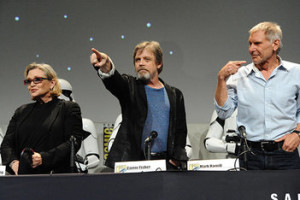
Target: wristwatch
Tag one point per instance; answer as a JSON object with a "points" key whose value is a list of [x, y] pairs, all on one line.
{"points": [[298, 132]]}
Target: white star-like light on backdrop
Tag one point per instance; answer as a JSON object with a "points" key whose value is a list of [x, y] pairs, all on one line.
{"points": [[17, 19], [149, 25], [91, 39]]}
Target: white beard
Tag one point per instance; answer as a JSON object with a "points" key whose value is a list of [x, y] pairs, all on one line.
{"points": [[144, 76]]}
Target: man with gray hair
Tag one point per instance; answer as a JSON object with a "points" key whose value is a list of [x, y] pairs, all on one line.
{"points": [[148, 106], [266, 94]]}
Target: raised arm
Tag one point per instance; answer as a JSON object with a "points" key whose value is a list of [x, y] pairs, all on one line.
{"points": [[100, 61], [229, 69]]}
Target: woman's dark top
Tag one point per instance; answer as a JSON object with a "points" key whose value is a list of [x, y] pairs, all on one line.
{"points": [[34, 128]]}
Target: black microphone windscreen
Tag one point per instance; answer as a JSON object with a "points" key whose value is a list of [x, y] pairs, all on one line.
{"points": [[154, 134], [242, 130]]}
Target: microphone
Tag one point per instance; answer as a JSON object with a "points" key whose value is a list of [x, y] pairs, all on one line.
{"points": [[152, 136], [148, 141], [242, 131]]}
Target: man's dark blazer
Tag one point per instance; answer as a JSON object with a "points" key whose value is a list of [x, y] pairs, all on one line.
{"points": [[133, 100]]}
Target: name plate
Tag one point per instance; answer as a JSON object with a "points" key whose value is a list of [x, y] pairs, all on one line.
{"points": [[214, 165], [140, 166], [2, 170]]}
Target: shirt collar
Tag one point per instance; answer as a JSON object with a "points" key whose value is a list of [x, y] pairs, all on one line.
{"points": [[251, 68]]}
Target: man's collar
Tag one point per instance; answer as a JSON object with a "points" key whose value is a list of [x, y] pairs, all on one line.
{"points": [[252, 68]]}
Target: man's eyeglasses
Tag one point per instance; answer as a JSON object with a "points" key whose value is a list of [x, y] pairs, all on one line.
{"points": [[35, 80]]}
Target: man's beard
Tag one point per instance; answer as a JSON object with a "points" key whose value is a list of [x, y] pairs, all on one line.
{"points": [[145, 77]]}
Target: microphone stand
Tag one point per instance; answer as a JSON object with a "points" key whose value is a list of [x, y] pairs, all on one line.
{"points": [[245, 153], [149, 150], [242, 131], [72, 156]]}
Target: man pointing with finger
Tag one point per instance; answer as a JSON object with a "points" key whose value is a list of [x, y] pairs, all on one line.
{"points": [[266, 94], [148, 105]]}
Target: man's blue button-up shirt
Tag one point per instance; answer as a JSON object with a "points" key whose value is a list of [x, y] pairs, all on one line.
{"points": [[268, 109]]}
